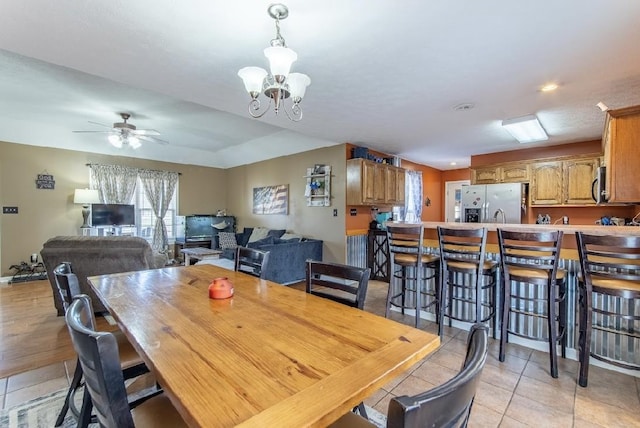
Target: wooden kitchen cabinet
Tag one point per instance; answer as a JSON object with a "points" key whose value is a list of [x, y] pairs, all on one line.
{"points": [[565, 182], [546, 183], [512, 173], [621, 146], [578, 176], [372, 183], [394, 185]]}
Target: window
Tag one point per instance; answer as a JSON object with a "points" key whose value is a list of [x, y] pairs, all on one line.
{"points": [[146, 220]]}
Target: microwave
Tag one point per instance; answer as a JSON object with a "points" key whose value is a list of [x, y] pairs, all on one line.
{"points": [[598, 187]]}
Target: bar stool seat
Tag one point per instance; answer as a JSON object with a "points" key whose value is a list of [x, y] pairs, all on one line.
{"points": [[533, 288], [488, 267], [419, 288]]}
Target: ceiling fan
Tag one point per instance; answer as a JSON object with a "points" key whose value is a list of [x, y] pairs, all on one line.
{"points": [[124, 133]]}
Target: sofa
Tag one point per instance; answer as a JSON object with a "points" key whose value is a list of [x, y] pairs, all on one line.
{"points": [[97, 255], [287, 253]]}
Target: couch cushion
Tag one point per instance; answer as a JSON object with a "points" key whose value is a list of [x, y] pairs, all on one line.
{"points": [[269, 240], [227, 240]]}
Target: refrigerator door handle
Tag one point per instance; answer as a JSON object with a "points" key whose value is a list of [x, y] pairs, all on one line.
{"points": [[485, 210]]}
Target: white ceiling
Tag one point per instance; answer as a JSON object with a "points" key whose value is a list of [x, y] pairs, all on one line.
{"points": [[385, 74]]}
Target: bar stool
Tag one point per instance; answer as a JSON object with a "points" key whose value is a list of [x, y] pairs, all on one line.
{"points": [[533, 288], [410, 264], [468, 280], [609, 291]]}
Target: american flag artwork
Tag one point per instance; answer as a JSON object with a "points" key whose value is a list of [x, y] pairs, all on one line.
{"points": [[271, 199]]}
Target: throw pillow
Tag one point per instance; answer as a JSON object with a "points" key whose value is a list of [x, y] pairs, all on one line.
{"points": [[276, 233], [258, 233], [269, 240], [227, 240]]}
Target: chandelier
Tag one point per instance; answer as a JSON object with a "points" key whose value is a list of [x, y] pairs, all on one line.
{"points": [[280, 84], [117, 140]]}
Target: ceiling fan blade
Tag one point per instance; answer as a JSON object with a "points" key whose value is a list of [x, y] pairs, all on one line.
{"points": [[152, 139], [99, 132], [100, 124], [145, 132]]}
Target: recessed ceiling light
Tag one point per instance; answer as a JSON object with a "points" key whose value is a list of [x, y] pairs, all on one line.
{"points": [[453, 163], [464, 106], [549, 87]]}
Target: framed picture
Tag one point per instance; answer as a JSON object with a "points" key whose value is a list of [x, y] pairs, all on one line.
{"points": [[271, 199]]}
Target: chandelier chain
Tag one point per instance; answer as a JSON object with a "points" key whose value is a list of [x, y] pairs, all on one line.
{"points": [[279, 40]]}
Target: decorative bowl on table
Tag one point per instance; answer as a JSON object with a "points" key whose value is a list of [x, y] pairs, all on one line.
{"points": [[220, 288]]}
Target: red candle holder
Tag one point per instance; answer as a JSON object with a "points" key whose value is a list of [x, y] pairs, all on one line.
{"points": [[220, 288]]}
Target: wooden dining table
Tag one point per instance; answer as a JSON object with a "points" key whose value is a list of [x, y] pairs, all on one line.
{"points": [[268, 356]]}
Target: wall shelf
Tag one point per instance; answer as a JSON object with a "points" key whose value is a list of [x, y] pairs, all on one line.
{"points": [[318, 188]]}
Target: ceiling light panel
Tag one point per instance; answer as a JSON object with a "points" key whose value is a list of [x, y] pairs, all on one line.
{"points": [[525, 129]]}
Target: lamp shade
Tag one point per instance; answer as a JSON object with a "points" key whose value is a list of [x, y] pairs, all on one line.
{"points": [[86, 196], [253, 78], [298, 83], [525, 129], [133, 141], [280, 60]]}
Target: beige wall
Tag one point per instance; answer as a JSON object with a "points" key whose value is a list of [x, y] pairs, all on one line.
{"points": [[47, 213], [317, 222]]}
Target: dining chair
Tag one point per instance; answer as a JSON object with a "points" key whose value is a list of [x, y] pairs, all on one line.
{"points": [[609, 295], [417, 272], [446, 405], [534, 294], [98, 356], [341, 283], [131, 364], [467, 278], [251, 261]]}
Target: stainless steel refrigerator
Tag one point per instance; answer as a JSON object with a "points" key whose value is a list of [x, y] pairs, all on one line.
{"points": [[493, 203]]}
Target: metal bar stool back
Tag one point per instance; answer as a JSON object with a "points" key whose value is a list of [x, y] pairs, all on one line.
{"points": [[533, 290], [609, 301], [468, 279], [414, 269]]}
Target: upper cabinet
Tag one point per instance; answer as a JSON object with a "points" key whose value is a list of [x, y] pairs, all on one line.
{"points": [[511, 173], [565, 182], [372, 183], [621, 144]]}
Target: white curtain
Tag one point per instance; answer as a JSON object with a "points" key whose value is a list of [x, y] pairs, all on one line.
{"points": [[159, 187], [116, 184], [413, 197]]}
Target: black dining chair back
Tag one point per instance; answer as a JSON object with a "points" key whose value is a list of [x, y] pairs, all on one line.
{"points": [[98, 356], [67, 283], [449, 404], [251, 261], [342, 283], [104, 380]]}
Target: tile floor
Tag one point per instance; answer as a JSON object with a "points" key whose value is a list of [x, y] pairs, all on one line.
{"points": [[518, 392]]}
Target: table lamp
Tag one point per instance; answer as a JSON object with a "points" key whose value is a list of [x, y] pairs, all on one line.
{"points": [[86, 197]]}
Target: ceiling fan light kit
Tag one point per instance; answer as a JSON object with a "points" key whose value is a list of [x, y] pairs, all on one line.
{"points": [[124, 133], [280, 84]]}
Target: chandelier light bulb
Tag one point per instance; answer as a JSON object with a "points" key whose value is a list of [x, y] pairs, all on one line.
{"points": [[253, 78], [298, 83], [134, 141], [280, 60]]}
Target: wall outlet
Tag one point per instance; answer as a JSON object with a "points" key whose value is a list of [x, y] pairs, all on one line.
{"points": [[9, 210]]}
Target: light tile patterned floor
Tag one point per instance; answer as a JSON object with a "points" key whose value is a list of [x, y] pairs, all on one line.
{"points": [[519, 392]]}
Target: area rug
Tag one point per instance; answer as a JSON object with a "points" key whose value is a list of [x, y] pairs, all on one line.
{"points": [[43, 411], [40, 412]]}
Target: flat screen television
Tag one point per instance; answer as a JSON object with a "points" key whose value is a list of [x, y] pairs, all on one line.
{"points": [[198, 227], [113, 215]]}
